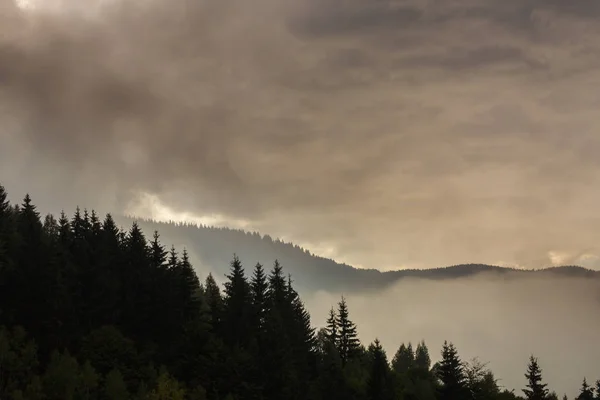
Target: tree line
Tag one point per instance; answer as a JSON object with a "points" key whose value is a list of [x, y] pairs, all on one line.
{"points": [[91, 311]]}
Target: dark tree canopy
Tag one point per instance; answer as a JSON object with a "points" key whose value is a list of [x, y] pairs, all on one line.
{"points": [[535, 389], [90, 311]]}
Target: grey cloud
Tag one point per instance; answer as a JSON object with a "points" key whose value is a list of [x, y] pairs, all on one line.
{"points": [[397, 132], [488, 56]]}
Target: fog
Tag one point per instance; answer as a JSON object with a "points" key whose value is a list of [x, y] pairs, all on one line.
{"points": [[500, 321], [398, 133]]}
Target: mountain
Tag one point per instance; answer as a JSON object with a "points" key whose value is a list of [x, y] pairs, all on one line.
{"points": [[213, 248]]}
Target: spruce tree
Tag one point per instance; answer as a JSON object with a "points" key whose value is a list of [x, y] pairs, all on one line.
{"points": [[279, 355], [237, 313], [30, 227], [452, 375], [303, 343], [379, 385], [4, 204], [96, 227], [4, 222], [158, 254], [422, 359], [190, 285], [331, 330], [586, 392], [535, 390], [136, 291], [214, 301], [115, 387], [597, 390], [259, 287], [348, 343], [403, 359], [50, 227], [173, 260], [32, 276]]}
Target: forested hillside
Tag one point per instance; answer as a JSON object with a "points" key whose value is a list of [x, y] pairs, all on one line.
{"points": [[89, 311], [215, 246]]}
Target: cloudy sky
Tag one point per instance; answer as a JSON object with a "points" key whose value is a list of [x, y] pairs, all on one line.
{"points": [[384, 133]]}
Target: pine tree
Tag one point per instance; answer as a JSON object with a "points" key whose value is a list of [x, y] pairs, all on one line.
{"points": [[50, 227], [278, 357], [158, 254], [277, 292], [536, 390], [586, 392], [5, 211], [379, 383], [115, 387], [137, 279], [30, 226], [348, 343], [95, 227], [259, 287], [422, 359], [214, 301], [331, 330], [597, 390], [173, 260], [60, 379], [78, 226], [303, 341], [190, 283], [452, 375], [403, 359], [237, 311], [32, 277], [110, 262], [88, 382], [4, 204]]}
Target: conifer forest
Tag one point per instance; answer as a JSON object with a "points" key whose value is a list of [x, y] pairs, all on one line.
{"points": [[91, 311]]}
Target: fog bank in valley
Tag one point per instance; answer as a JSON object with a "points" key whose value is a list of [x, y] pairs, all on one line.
{"points": [[500, 320]]}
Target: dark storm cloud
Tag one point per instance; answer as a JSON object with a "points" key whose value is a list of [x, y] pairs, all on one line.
{"points": [[417, 132]]}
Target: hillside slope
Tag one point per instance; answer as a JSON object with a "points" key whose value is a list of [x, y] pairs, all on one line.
{"points": [[213, 248]]}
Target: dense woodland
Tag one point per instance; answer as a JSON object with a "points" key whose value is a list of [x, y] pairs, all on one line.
{"points": [[215, 245], [89, 311]]}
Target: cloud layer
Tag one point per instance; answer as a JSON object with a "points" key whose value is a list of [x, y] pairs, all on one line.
{"points": [[397, 132]]}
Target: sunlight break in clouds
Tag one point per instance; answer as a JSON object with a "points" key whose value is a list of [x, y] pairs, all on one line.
{"points": [[150, 206]]}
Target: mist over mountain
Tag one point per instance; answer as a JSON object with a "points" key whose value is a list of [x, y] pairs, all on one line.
{"points": [[67, 277], [213, 247], [422, 133], [500, 315]]}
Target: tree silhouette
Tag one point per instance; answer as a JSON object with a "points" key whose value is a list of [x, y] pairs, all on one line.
{"points": [[452, 374], [535, 389], [347, 342], [586, 392], [422, 359], [90, 311], [404, 359]]}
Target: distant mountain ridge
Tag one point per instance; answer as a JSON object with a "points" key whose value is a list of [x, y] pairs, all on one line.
{"points": [[214, 247]]}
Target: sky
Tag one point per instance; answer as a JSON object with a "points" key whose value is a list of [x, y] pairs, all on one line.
{"points": [[382, 133]]}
